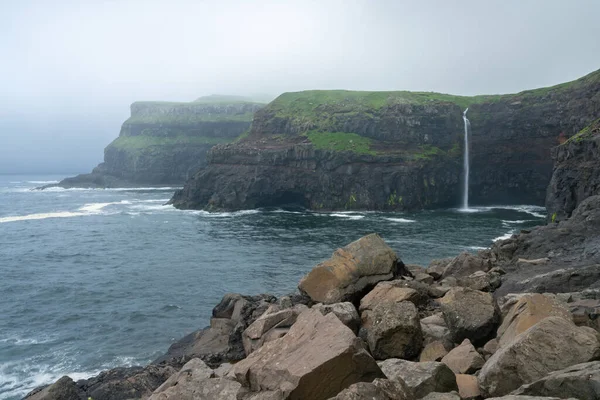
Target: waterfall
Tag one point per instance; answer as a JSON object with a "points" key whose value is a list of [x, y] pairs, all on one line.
{"points": [[465, 205]]}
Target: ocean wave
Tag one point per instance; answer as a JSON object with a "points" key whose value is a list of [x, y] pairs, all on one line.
{"points": [[346, 215], [40, 182], [505, 236], [403, 220], [224, 214], [476, 248], [85, 210], [126, 189], [528, 209]]}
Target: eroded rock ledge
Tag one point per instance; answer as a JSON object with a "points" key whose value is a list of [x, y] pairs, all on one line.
{"points": [[365, 326]]}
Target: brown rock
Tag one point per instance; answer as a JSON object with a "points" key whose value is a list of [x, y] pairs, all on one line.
{"points": [[528, 311], [552, 344], [470, 314], [464, 359], [193, 382], [483, 281], [433, 351], [346, 312], [465, 264], [586, 312], [317, 359], [387, 292], [380, 389], [270, 326], [468, 388], [393, 330], [350, 271], [422, 378]]}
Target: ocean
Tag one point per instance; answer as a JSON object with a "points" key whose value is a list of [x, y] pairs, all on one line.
{"points": [[94, 279]]}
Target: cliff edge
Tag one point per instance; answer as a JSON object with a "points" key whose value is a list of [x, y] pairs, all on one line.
{"points": [[164, 143], [346, 150]]}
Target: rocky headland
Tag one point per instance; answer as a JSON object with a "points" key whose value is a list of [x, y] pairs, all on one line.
{"points": [[335, 150], [164, 143]]}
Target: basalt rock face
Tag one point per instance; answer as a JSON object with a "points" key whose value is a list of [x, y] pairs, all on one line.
{"points": [[333, 150], [576, 173], [165, 143]]}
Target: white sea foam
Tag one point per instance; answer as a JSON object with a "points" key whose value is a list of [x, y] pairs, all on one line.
{"points": [[347, 215], [403, 220], [505, 236], [85, 210], [41, 182], [476, 248]]}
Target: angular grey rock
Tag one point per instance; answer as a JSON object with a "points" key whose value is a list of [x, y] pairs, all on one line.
{"points": [[581, 381], [346, 312], [271, 325], [470, 314], [420, 377], [393, 330], [442, 396], [465, 264], [434, 328], [552, 344]]}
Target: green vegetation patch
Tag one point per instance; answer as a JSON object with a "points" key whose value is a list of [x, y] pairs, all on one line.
{"points": [[427, 152], [141, 142], [586, 133], [340, 141]]}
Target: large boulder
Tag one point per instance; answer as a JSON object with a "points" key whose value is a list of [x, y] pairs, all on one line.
{"points": [[421, 378], [380, 389], [62, 389], [273, 324], [193, 382], [581, 381], [470, 314], [464, 359], [346, 312], [388, 292], [528, 311], [552, 344], [318, 358], [351, 271], [465, 264], [393, 330], [442, 396], [483, 281]]}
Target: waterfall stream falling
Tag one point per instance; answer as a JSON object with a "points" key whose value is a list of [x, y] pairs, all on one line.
{"points": [[465, 204]]}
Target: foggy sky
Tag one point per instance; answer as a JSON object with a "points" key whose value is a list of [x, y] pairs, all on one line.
{"points": [[70, 68]]}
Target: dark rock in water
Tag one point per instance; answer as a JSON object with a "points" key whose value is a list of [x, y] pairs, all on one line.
{"points": [[581, 381], [568, 255], [63, 389], [576, 173], [333, 150], [163, 144]]}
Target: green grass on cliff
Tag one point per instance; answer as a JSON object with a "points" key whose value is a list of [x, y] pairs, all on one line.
{"points": [[340, 141], [142, 142], [586, 133]]}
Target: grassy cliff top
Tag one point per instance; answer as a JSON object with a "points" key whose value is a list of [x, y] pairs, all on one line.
{"points": [[215, 109], [305, 103]]}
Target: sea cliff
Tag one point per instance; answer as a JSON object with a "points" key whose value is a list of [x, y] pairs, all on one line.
{"points": [[164, 143], [335, 150]]}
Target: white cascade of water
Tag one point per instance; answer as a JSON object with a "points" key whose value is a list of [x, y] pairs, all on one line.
{"points": [[465, 205]]}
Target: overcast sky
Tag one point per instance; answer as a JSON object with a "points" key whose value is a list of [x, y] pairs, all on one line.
{"points": [[70, 69]]}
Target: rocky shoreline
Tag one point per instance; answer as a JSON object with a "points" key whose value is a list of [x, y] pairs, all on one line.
{"points": [[363, 325]]}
